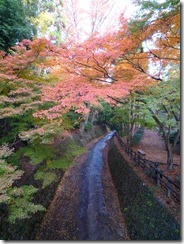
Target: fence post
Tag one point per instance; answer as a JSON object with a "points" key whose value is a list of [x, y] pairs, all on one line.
{"points": [[144, 162], [168, 188]]}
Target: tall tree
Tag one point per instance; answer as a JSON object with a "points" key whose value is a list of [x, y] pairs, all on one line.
{"points": [[99, 13], [46, 17], [13, 24], [162, 102], [85, 18], [156, 30]]}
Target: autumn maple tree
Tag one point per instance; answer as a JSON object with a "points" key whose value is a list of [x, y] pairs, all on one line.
{"points": [[156, 28], [91, 71], [20, 97]]}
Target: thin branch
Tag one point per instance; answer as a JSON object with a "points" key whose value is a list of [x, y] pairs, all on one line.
{"points": [[117, 100]]}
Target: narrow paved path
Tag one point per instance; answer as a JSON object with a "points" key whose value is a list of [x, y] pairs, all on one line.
{"points": [[81, 209]]}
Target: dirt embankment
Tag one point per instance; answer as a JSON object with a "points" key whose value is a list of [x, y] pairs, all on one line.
{"points": [[153, 145], [64, 148]]}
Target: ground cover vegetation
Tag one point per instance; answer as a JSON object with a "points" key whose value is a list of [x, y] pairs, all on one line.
{"points": [[126, 79]]}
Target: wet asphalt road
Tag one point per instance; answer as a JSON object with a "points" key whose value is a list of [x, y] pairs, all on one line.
{"points": [[93, 217]]}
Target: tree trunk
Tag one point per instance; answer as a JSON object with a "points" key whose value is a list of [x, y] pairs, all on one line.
{"points": [[82, 128], [169, 148], [129, 135], [170, 162], [93, 116], [131, 123], [166, 136]]}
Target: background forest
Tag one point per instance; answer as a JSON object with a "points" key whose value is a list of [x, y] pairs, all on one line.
{"points": [[56, 77]]}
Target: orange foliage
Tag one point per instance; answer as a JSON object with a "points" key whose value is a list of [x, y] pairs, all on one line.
{"points": [[99, 68], [89, 72]]}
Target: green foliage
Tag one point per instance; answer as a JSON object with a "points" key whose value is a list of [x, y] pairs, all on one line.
{"points": [[149, 203], [38, 152], [151, 10], [88, 126], [105, 112], [71, 120], [17, 199], [124, 116], [164, 101], [46, 177], [31, 10], [20, 206], [125, 210], [120, 116], [137, 136], [147, 121], [173, 136], [45, 17], [74, 150], [112, 116], [66, 159], [9, 173], [6, 86], [47, 158], [13, 25], [62, 163], [15, 158], [12, 126]]}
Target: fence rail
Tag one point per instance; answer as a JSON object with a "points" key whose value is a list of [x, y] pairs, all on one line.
{"points": [[152, 170]]}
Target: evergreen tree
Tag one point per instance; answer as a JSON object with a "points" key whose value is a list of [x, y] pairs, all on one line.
{"points": [[13, 24]]}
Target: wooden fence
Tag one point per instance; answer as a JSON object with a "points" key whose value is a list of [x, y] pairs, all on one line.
{"points": [[151, 169]]}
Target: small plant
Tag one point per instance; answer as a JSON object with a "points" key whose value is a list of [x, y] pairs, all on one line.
{"points": [[137, 136], [125, 210], [46, 177], [66, 159], [88, 126], [62, 163], [149, 203]]}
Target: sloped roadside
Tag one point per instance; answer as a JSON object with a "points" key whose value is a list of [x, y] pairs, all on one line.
{"points": [[147, 144], [144, 207], [153, 145], [60, 221], [81, 210]]}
